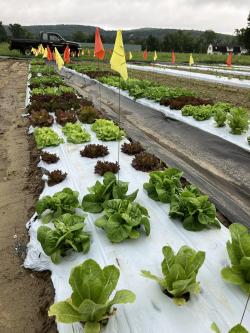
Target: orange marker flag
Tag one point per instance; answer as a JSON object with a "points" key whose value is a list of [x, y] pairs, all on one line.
{"points": [[110, 52], [49, 54], [99, 51], [66, 55], [145, 55], [53, 55], [173, 57], [229, 59]]}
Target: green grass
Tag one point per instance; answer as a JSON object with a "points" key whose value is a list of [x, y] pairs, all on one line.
{"points": [[4, 51], [181, 58]]}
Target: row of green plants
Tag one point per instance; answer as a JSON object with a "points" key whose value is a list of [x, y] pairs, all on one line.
{"points": [[105, 130], [179, 280], [144, 88], [55, 91], [122, 218], [45, 81], [236, 118]]}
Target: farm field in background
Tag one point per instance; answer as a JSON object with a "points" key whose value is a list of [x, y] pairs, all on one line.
{"points": [[162, 56]]}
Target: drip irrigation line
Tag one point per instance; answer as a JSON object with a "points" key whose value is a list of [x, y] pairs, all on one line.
{"points": [[245, 309]]}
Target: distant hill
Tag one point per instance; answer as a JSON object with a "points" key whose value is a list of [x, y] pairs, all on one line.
{"points": [[134, 36]]}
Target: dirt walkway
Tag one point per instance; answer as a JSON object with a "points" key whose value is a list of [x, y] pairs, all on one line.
{"points": [[24, 295]]}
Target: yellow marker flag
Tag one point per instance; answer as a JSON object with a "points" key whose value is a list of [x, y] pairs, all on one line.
{"points": [[130, 55], [40, 49], [45, 53], [118, 59], [155, 56], [191, 60], [59, 60]]}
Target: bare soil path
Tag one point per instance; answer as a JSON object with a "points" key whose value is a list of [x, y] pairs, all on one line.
{"points": [[24, 295]]}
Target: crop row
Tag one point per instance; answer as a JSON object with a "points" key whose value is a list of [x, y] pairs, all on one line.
{"points": [[62, 219]]}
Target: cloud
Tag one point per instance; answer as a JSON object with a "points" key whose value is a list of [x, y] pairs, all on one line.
{"points": [[218, 15]]}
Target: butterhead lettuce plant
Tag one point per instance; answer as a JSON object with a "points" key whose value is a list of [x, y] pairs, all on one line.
{"points": [[89, 302], [65, 201], [68, 234], [123, 219], [111, 188]]}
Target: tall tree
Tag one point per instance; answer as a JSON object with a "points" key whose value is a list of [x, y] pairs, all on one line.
{"points": [[151, 43], [3, 34], [17, 31], [79, 36], [243, 35]]}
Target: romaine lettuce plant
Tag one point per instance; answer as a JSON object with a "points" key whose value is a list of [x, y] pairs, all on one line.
{"points": [[194, 210], [111, 188], [220, 117], [163, 185], [180, 272], [239, 253], [89, 303], [75, 133], [123, 219], [236, 329], [238, 120], [46, 137], [65, 201], [68, 234]]}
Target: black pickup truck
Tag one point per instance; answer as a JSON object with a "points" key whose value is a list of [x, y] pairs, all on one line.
{"points": [[50, 39]]}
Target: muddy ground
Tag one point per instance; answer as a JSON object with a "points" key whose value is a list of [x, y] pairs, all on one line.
{"points": [[24, 295]]}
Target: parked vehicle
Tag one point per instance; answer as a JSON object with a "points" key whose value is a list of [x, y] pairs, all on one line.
{"points": [[50, 39]]}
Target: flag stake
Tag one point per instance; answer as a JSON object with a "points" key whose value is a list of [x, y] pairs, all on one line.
{"points": [[245, 309], [119, 121]]}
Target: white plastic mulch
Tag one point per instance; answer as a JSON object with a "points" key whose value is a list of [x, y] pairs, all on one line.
{"points": [[233, 71], [205, 125], [153, 312], [196, 76]]}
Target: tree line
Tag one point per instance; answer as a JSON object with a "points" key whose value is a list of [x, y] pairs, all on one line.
{"points": [[243, 35], [178, 40]]}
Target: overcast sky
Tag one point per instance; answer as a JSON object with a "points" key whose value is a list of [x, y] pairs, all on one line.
{"points": [[219, 15]]}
